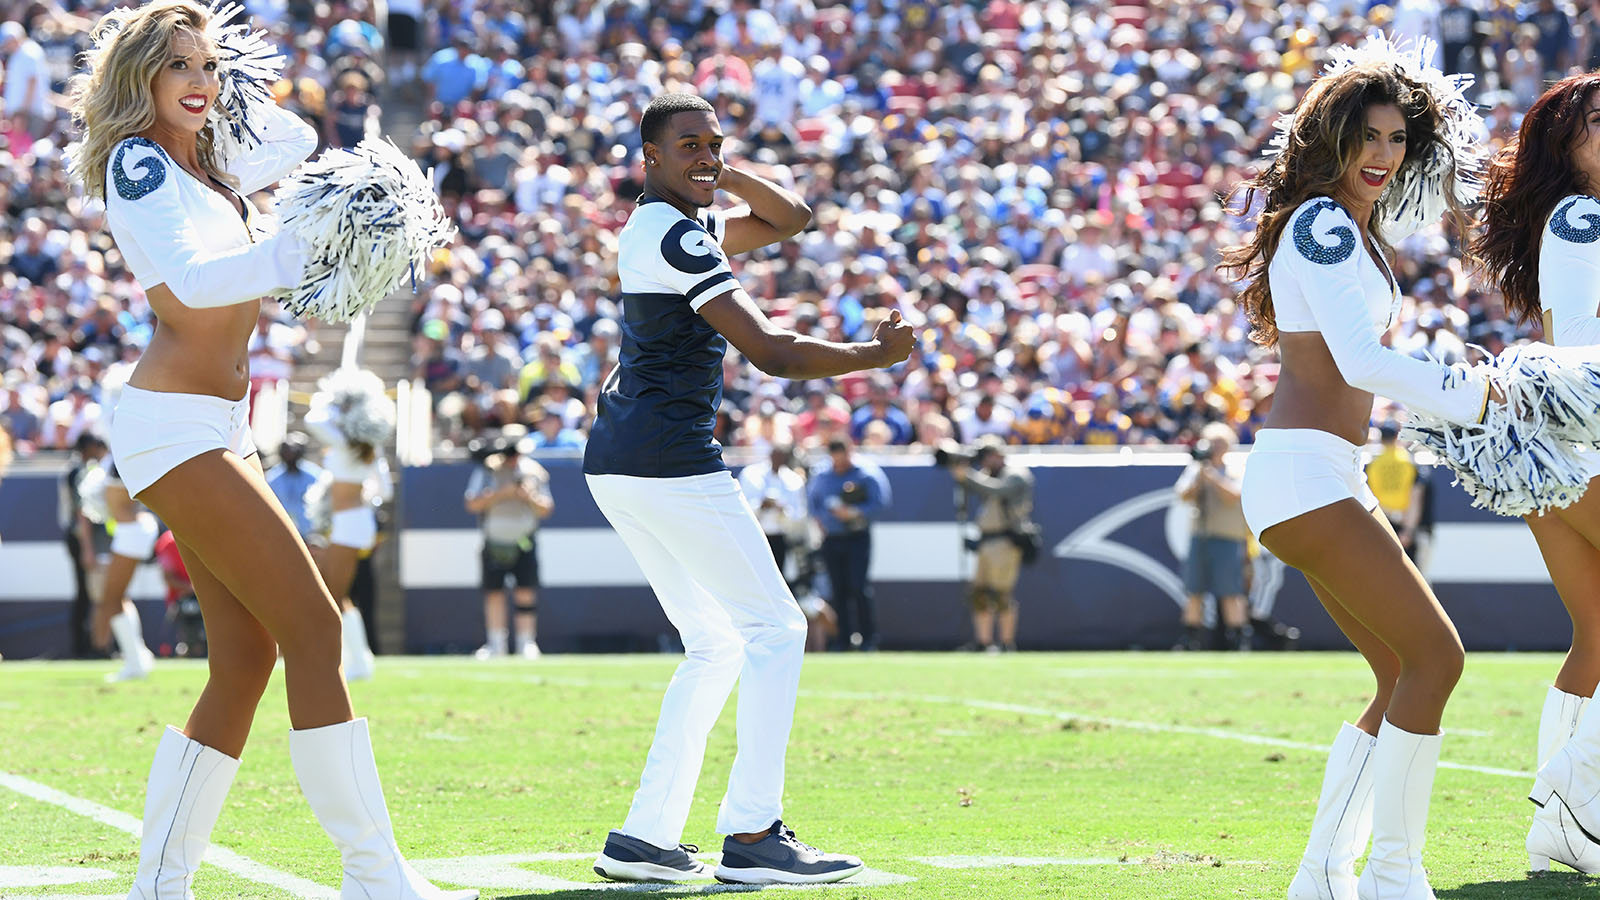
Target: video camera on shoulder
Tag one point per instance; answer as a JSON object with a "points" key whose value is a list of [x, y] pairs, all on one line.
{"points": [[949, 453]]}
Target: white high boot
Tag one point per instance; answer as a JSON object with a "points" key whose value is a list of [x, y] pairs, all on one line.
{"points": [[137, 660], [1554, 834], [340, 780], [1343, 823], [1403, 765], [358, 660], [188, 783]]}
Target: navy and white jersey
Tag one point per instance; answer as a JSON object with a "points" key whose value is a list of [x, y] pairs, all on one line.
{"points": [[657, 409]]}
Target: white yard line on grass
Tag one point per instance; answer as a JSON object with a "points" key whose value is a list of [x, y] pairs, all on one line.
{"points": [[1132, 725], [994, 706], [221, 857]]}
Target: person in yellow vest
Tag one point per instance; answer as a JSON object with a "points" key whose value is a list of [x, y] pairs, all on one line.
{"points": [[1394, 479]]}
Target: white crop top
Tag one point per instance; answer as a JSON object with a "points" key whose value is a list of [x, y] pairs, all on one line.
{"points": [[174, 230], [1324, 280], [1569, 272]]}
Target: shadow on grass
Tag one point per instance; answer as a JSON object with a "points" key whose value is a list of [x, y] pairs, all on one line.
{"points": [[1549, 886]]}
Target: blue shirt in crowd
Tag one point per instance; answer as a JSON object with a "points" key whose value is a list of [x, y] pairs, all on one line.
{"points": [[826, 485], [290, 488]]}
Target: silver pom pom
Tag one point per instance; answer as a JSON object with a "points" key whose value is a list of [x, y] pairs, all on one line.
{"points": [[1523, 459], [357, 404], [370, 216], [247, 67], [92, 494]]}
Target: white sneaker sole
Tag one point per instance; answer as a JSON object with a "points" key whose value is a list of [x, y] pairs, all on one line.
{"points": [[617, 870], [781, 876]]}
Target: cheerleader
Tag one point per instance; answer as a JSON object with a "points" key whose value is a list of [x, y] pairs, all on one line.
{"points": [[134, 531], [353, 417], [182, 441], [1369, 155], [1540, 228]]}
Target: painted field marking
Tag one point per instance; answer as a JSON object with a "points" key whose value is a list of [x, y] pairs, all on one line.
{"points": [[991, 862], [505, 871], [995, 706], [42, 876], [221, 857], [1132, 725]]}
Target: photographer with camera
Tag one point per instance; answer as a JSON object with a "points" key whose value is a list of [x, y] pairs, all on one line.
{"points": [[845, 495], [1006, 539], [1217, 539], [511, 494]]}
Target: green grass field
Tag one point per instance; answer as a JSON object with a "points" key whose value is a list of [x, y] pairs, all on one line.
{"points": [[954, 776]]}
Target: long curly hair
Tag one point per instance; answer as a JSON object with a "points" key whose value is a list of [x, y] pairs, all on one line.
{"points": [[1326, 140], [112, 98], [1526, 180]]}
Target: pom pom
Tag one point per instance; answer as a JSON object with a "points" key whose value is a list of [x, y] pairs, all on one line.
{"points": [[370, 216], [1415, 198], [356, 403], [1524, 458], [92, 494], [1562, 384], [319, 504], [247, 67]]}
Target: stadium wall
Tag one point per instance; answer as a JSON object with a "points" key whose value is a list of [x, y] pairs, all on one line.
{"points": [[1110, 577]]}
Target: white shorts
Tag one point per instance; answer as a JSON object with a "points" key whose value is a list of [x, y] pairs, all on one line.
{"points": [[1292, 471], [357, 528], [154, 432], [136, 538]]}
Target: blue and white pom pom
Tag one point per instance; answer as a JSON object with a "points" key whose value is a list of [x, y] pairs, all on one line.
{"points": [[1415, 198], [370, 217], [247, 67], [355, 402], [1524, 458]]}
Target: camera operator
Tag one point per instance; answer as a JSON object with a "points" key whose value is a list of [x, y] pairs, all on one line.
{"points": [[1005, 500], [845, 495], [1218, 535], [510, 493]]}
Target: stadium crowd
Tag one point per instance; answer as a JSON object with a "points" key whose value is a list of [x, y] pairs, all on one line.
{"points": [[1035, 185]]}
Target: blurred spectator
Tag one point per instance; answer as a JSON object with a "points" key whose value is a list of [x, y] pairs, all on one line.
{"points": [[778, 493], [85, 541], [1402, 488], [845, 495], [552, 433], [352, 114], [455, 73], [27, 80], [292, 477]]}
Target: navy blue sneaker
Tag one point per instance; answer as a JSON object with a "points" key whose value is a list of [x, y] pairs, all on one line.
{"points": [[630, 859], [779, 858]]}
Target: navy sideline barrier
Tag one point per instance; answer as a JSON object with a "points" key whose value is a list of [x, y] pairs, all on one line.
{"points": [[1108, 577]]}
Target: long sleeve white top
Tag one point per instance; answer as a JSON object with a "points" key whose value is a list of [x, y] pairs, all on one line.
{"points": [[1569, 273], [1324, 280], [174, 230]]}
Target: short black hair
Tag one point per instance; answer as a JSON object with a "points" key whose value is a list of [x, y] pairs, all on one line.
{"points": [[664, 108]]}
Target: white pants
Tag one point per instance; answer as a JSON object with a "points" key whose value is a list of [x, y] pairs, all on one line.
{"points": [[705, 555]]}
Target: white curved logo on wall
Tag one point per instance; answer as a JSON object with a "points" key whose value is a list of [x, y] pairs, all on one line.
{"points": [[1092, 541]]}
